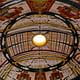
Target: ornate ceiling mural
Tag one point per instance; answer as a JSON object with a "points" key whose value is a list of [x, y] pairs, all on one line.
{"points": [[58, 21], [40, 5]]}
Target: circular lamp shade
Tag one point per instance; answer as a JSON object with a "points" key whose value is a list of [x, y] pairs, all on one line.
{"points": [[39, 40]]}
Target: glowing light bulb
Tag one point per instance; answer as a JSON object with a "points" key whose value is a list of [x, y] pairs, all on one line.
{"points": [[39, 40]]}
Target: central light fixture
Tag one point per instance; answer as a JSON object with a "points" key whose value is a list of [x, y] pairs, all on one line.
{"points": [[39, 40]]}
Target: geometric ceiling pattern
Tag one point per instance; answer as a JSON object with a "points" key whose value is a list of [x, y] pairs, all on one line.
{"points": [[40, 6], [61, 36]]}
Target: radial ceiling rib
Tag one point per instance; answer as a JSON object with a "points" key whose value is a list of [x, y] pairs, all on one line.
{"points": [[40, 5]]}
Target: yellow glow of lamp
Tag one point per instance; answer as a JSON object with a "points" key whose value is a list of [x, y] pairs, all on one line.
{"points": [[39, 40]]}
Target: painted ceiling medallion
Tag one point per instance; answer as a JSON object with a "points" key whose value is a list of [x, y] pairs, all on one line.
{"points": [[40, 5]]}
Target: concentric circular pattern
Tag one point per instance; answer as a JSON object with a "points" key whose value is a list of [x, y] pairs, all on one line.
{"points": [[20, 51]]}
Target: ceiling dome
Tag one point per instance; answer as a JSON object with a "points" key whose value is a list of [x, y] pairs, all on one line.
{"points": [[57, 21]]}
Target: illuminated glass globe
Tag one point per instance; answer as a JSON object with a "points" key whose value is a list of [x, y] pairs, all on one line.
{"points": [[39, 40]]}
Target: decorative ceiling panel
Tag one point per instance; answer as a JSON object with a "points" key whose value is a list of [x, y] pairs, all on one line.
{"points": [[40, 5], [16, 9]]}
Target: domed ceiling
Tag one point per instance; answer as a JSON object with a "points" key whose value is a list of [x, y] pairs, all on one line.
{"points": [[58, 21]]}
